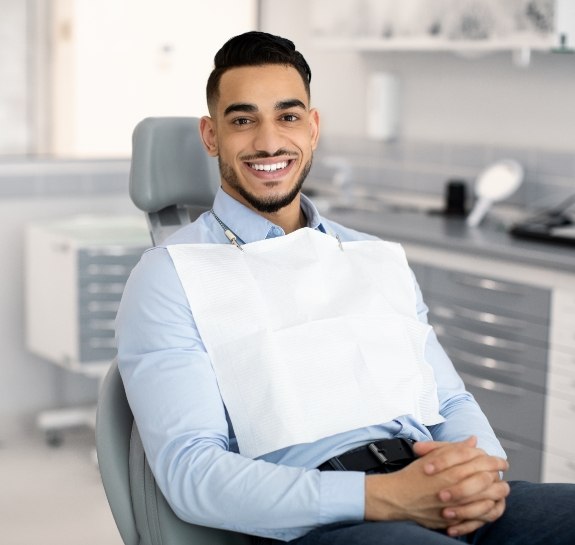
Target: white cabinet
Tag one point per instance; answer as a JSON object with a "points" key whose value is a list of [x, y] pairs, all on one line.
{"points": [[495, 331], [116, 62], [444, 24], [510, 330], [76, 270], [559, 457]]}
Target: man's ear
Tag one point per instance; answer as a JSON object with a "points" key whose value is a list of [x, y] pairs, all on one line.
{"points": [[314, 127], [208, 136]]}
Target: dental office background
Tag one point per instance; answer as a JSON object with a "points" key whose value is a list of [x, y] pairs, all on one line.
{"points": [[404, 109]]}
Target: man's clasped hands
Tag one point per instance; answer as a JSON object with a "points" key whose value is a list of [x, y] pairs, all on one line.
{"points": [[455, 487]]}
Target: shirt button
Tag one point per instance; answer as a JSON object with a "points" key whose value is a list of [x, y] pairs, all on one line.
{"points": [[276, 231]]}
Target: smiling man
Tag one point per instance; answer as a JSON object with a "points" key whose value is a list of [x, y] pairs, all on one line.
{"points": [[288, 385], [264, 133]]}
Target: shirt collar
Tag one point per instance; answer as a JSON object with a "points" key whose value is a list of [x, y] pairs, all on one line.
{"points": [[249, 226]]}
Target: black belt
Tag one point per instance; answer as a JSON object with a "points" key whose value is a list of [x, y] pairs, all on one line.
{"points": [[382, 456]]}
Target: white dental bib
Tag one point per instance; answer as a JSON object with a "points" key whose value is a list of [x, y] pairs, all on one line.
{"points": [[307, 340]]}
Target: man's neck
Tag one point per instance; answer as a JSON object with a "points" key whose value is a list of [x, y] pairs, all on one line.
{"points": [[290, 218]]}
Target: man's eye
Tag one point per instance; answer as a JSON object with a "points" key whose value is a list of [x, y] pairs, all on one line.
{"points": [[290, 117], [241, 121]]}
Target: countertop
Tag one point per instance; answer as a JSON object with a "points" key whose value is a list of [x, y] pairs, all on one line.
{"points": [[490, 239]]}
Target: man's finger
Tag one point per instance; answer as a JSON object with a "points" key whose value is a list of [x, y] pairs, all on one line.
{"points": [[473, 479], [442, 456]]}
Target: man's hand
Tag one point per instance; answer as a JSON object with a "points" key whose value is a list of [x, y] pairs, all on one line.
{"points": [[483, 507], [452, 486]]}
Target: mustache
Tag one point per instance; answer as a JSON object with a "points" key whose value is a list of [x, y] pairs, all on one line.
{"points": [[265, 155]]}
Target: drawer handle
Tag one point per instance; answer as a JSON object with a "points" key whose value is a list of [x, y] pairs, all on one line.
{"points": [[103, 306], [102, 325], [111, 288], [116, 251], [489, 363], [490, 385], [489, 318], [104, 342], [487, 284], [477, 338], [108, 270]]}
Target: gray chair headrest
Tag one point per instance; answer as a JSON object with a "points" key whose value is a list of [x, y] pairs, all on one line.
{"points": [[170, 166]]}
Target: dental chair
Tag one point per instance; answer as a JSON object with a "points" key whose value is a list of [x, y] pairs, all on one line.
{"points": [[172, 180]]}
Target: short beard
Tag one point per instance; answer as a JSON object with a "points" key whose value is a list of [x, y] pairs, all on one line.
{"points": [[271, 204]]}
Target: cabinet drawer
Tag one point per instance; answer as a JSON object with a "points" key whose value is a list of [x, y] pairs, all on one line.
{"points": [[108, 255], [516, 373], [97, 349], [492, 347], [104, 310], [509, 298], [514, 410], [100, 291], [495, 325]]}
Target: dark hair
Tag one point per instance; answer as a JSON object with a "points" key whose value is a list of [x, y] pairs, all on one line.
{"points": [[255, 49]]}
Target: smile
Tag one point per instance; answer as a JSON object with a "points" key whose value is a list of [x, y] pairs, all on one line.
{"points": [[271, 167]]}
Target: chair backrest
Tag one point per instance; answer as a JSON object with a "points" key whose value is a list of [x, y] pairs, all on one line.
{"points": [[114, 423], [141, 512], [170, 175], [172, 178]]}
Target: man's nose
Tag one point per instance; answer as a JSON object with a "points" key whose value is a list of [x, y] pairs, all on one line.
{"points": [[268, 138]]}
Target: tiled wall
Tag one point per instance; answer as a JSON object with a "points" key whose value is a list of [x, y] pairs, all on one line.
{"points": [[59, 178], [419, 168], [425, 167]]}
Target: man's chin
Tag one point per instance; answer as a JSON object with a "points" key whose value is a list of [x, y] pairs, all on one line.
{"points": [[270, 205]]}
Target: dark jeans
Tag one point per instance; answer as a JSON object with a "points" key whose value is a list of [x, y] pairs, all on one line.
{"points": [[536, 514]]}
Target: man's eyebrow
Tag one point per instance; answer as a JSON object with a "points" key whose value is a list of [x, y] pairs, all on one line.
{"points": [[244, 107], [240, 107], [291, 103]]}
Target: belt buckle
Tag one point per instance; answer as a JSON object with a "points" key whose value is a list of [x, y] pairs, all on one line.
{"points": [[377, 453]]}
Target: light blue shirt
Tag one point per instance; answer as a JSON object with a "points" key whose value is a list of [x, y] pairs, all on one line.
{"points": [[175, 399]]}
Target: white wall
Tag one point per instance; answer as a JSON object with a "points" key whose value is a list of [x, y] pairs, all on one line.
{"points": [[14, 99], [444, 98], [118, 62], [100, 104]]}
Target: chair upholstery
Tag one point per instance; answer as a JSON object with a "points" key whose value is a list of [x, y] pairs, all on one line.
{"points": [[114, 422], [141, 512], [172, 178], [170, 171]]}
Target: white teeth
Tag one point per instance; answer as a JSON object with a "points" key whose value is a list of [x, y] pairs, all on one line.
{"points": [[269, 168]]}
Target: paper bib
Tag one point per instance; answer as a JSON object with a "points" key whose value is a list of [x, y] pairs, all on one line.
{"points": [[307, 340]]}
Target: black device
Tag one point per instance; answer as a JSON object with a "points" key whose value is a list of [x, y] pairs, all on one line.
{"points": [[553, 226], [455, 200]]}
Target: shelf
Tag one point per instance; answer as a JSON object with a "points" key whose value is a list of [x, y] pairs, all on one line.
{"points": [[547, 43]]}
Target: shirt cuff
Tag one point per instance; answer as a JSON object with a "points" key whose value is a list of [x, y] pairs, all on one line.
{"points": [[342, 496]]}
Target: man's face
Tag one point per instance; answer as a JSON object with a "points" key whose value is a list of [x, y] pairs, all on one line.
{"points": [[264, 134]]}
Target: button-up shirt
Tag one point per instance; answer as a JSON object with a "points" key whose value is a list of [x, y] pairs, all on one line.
{"points": [[187, 436]]}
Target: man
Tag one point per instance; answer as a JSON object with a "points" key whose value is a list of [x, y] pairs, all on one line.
{"points": [[263, 342]]}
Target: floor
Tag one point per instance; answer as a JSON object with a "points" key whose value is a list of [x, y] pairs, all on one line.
{"points": [[53, 495]]}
